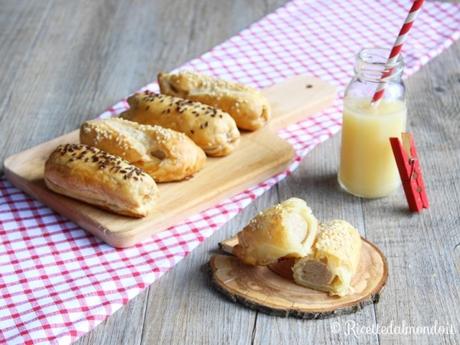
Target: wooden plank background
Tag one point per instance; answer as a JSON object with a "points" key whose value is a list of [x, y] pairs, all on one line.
{"points": [[63, 62]]}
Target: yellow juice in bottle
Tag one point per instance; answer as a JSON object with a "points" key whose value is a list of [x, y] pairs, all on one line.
{"points": [[367, 165]]}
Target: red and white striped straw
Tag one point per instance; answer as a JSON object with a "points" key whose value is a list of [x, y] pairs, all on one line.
{"points": [[396, 50]]}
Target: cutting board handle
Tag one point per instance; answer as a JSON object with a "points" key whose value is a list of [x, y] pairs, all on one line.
{"points": [[297, 98]]}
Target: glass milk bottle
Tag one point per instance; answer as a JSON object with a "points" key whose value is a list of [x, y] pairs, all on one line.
{"points": [[367, 165]]}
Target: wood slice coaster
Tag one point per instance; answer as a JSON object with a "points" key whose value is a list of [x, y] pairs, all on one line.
{"points": [[273, 291]]}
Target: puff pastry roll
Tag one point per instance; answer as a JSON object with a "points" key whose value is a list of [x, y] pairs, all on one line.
{"points": [[285, 230], [99, 178], [211, 129], [334, 260], [163, 153], [246, 105]]}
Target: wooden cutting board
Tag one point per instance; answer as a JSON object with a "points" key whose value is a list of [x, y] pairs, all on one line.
{"points": [[260, 155], [271, 289]]}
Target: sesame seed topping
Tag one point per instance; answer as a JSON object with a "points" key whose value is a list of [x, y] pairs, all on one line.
{"points": [[102, 159]]}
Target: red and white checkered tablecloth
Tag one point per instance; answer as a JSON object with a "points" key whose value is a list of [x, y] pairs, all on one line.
{"points": [[57, 282]]}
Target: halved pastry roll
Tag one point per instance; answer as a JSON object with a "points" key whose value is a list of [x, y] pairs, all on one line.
{"points": [[246, 105], [284, 230], [334, 260], [99, 178], [163, 153], [211, 129]]}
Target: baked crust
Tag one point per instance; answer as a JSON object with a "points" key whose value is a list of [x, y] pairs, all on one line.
{"points": [[284, 230], [250, 109], [334, 260], [164, 154], [211, 129], [99, 178]]}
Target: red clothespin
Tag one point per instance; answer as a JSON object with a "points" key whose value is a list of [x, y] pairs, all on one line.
{"points": [[410, 172]]}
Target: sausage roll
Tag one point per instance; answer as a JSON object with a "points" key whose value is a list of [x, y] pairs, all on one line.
{"points": [[211, 129], [163, 153], [246, 105], [334, 260], [285, 230], [99, 178]]}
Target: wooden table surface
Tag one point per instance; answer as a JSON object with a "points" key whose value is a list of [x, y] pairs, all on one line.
{"points": [[63, 62]]}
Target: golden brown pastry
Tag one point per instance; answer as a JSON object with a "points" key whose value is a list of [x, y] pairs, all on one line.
{"points": [[211, 129], [284, 230], [99, 178], [163, 153], [334, 260], [246, 105]]}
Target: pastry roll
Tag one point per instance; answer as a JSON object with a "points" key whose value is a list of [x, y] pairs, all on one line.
{"points": [[99, 178], [246, 105], [163, 153], [334, 260], [284, 230], [211, 129]]}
